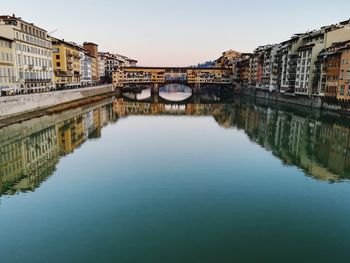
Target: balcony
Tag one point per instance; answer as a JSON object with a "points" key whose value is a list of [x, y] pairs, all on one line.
{"points": [[37, 80]]}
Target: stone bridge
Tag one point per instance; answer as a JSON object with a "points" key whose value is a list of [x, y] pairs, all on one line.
{"points": [[156, 77]]}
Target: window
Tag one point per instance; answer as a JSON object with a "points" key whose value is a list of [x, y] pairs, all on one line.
{"points": [[342, 90], [57, 56], [58, 64]]}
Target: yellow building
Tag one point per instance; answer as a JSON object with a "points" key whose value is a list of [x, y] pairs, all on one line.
{"points": [[66, 64], [71, 134], [7, 66]]}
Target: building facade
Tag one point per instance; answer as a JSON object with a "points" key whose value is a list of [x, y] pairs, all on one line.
{"points": [[92, 48], [7, 67], [32, 54], [66, 64], [344, 78], [102, 67], [86, 68]]}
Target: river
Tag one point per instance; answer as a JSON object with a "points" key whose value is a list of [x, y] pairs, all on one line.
{"points": [[209, 179]]}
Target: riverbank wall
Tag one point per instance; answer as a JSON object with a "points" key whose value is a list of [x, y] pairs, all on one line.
{"points": [[312, 102], [11, 106]]}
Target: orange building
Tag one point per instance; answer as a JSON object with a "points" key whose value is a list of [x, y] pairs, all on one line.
{"points": [[344, 78], [332, 74]]}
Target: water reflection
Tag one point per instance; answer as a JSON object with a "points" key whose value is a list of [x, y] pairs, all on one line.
{"points": [[175, 92], [31, 150], [317, 143], [143, 95]]}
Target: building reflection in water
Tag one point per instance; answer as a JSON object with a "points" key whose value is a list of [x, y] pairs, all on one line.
{"points": [[30, 151], [318, 144]]}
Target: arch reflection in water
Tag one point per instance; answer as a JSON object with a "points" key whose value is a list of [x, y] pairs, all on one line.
{"points": [[143, 95], [175, 92]]}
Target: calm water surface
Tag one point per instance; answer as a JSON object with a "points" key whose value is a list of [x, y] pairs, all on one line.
{"points": [[206, 180]]}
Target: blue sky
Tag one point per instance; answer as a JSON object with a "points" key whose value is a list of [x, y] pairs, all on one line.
{"points": [[178, 32]]}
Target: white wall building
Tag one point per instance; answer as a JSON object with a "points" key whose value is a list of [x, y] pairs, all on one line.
{"points": [[288, 63], [85, 68]]}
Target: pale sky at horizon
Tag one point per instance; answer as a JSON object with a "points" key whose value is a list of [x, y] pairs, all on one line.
{"points": [[177, 33]]}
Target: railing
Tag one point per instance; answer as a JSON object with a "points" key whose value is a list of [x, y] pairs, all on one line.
{"points": [[51, 89], [37, 80]]}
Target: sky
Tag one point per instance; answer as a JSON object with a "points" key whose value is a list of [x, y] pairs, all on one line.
{"points": [[181, 32]]}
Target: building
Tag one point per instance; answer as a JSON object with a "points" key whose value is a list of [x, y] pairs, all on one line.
{"points": [[243, 71], [332, 72], [110, 62], [228, 59], [308, 53], [268, 77], [288, 59], [344, 78], [297, 66], [320, 73], [102, 67], [256, 65], [307, 56], [32, 54], [124, 61], [66, 64], [86, 68], [7, 67], [92, 48]]}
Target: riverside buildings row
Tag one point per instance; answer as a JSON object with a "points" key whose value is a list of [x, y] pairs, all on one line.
{"points": [[309, 64], [31, 60]]}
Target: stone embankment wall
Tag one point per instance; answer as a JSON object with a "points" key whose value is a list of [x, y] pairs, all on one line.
{"points": [[312, 102], [15, 105]]}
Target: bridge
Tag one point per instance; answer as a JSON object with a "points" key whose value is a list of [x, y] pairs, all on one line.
{"points": [[156, 77]]}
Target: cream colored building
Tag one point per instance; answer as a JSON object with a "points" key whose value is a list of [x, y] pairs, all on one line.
{"points": [[7, 66], [32, 48]]}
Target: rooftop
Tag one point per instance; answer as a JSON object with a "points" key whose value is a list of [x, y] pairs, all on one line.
{"points": [[14, 18]]}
